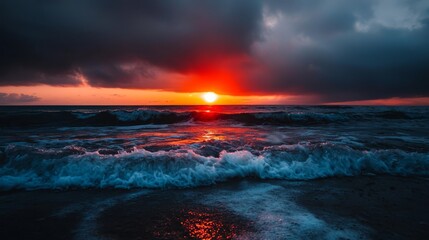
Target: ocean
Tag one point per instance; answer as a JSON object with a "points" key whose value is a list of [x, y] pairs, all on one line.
{"points": [[251, 162]]}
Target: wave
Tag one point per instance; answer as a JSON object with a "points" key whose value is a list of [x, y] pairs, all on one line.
{"points": [[141, 117], [102, 118], [72, 167]]}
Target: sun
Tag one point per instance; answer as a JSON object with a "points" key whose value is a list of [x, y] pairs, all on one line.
{"points": [[210, 97]]}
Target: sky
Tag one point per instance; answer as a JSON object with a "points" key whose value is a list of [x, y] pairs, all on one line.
{"points": [[247, 51]]}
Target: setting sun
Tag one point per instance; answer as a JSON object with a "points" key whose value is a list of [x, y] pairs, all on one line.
{"points": [[210, 97]]}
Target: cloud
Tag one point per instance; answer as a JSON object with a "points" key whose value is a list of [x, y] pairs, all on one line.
{"points": [[46, 38], [14, 98], [333, 49], [317, 49]]}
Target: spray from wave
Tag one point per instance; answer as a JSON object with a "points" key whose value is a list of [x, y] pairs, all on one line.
{"points": [[34, 168]]}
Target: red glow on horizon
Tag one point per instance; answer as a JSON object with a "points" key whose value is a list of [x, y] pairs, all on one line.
{"points": [[418, 101], [219, 81], [222, 74]]}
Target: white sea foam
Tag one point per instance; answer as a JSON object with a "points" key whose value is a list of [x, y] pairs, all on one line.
{"points": [[276, 215], [143, 115], [84, 115], [135, 115], [31, 168]]}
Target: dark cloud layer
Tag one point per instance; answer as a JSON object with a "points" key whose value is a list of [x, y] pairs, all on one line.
{"points": [[337, 50], [47, 38], [344, 50], [15, 98]]}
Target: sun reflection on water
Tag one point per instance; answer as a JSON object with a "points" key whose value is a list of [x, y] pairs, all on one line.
{"points": [[200, 223], [206, 226]]}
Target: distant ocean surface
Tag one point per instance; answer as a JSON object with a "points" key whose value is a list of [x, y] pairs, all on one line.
{"points": [[188, 146]]}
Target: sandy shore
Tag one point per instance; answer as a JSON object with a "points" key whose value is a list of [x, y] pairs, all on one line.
{"points": [[348, 208]]}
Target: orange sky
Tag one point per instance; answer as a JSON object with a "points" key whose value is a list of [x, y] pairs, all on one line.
{"points": [[86, 95]]}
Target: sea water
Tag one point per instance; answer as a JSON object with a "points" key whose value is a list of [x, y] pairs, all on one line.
{"points": [[61, 147]]}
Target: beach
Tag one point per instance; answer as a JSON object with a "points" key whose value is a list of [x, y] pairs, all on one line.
{"points": [[371, 207]]}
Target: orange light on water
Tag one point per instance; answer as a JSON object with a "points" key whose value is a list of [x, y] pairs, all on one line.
{"points": [[207, 226]]}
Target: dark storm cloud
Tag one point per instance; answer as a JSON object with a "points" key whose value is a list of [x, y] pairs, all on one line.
{"points": [[335, 49], [44, 38], [14, 98], [346, 50], [356, 66], [125, 75]]}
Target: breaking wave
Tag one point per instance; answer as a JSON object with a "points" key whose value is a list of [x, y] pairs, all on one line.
{"points": [[139, 117], [35, 168]]}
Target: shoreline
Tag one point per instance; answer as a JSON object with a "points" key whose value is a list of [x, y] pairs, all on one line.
{"points": [[375, 207]]}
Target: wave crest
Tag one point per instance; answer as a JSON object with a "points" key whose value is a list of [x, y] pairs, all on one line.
{"points": [[32, 168], [139, 117]]}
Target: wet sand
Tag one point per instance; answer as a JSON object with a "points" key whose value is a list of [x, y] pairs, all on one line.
{"points": [[379, 207], [393, 207]]}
